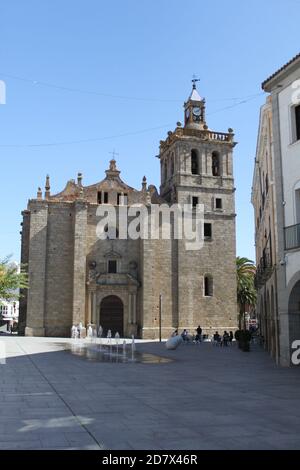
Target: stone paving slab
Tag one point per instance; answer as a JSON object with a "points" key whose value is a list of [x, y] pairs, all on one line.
{"points": [[207, 398]]}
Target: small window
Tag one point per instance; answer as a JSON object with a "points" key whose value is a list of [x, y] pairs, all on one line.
{"points": [[208, 286], [99, 197], [216, 166], [195, 201], [112, 266], [195, 165], [105, 198], [219, 204], [207, 231], [122, 199], [297, 121]]}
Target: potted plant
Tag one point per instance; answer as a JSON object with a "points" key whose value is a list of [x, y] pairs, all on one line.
{"points": [[243, 337]]}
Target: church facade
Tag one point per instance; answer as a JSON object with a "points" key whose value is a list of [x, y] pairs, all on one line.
{"points": [[145, 287]]}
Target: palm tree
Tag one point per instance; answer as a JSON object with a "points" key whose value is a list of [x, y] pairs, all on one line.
{"points": [[246, 292], [11, 280]]}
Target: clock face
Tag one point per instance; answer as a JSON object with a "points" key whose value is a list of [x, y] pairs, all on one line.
{"points": [[196, 111], [187, 113]]}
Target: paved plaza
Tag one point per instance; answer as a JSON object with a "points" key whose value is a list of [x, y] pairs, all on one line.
{"points": [[206, 398]]}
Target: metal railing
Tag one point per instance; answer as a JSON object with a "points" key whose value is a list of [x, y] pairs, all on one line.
{"points": [[292, 237]]}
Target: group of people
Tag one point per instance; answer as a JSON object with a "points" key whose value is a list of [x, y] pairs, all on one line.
{"points": [[223, 340], [187, 337]]}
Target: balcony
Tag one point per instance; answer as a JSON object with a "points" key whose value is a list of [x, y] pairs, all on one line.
{"points": [[203, 134], [292, 237], [265, 268]]}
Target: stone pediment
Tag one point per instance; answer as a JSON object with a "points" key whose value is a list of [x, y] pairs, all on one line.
{"points": [[112, 255], [116, 279]]}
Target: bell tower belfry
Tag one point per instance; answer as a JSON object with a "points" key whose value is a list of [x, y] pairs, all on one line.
{"points": [[195, 160]]}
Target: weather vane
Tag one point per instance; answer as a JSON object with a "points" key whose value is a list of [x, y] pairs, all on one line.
{"points": [[194, 81]]}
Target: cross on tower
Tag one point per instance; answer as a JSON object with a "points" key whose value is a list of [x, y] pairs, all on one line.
{"points": [[113, 153], [194, 81]]}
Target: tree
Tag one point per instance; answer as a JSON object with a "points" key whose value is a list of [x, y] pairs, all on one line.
{"points": [[11, 280], [246, 292]]}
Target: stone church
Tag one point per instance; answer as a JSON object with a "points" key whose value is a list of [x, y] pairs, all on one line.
{"points": [[144, 287]]}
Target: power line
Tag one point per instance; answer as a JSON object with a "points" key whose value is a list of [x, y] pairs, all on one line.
{"points": [[94, 139], [243, 101], [108, 95], [88, 92], [143, 131]]}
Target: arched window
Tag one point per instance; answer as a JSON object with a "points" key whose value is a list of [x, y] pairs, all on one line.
{"points": [[215, 163], [208, 285], [195, 163]]}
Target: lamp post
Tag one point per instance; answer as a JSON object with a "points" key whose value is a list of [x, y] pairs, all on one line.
{"points": [[159, 318]]}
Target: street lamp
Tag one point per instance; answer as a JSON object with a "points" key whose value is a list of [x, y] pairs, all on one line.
{"points": [[159, 318]]}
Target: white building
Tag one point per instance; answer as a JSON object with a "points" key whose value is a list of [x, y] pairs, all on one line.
{"points": [[9, 310], [284, 89]]}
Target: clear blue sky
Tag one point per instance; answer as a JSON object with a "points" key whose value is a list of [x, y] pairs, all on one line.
{"points": [[146, 50]]}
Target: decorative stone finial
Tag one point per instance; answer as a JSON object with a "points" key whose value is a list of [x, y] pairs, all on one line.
{"points": [[113, 165], [81, 193], [47, 187], [112, 172], [79, 179], [144, 184], [39, 194]]}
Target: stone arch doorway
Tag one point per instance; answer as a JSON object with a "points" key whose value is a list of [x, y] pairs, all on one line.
{"points": [[112, 315]]}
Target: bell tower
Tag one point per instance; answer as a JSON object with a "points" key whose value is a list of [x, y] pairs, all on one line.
{"points": [[197, 169]]}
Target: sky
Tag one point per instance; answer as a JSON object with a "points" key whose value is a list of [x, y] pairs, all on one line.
{"points": [[87, 77]]}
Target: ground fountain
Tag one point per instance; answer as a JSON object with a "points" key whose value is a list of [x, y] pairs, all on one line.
{"points": [[132, 347], [109, 342], [74, 332], [124, 350], [100, 332], [113, 349], [117, 339], [90, 333]]}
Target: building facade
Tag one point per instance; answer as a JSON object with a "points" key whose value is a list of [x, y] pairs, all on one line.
{"points": [[264, 203], [281, 314], [145, 287], [9, 310]]}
